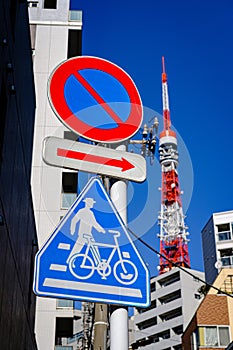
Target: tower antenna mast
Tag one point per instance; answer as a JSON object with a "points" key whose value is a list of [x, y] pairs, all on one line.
{"points": [[173, 234]]}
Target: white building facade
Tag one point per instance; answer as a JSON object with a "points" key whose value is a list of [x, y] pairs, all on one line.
{"points": [[174, 300], [56, 34], [217, 243]]}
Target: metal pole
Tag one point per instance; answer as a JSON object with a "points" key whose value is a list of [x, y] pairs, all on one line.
{"points": [[119, 338], [87, 319], [100, 327], [101, 312]]}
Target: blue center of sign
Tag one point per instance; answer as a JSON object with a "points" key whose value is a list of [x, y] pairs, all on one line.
{"points": [[85, 106]]}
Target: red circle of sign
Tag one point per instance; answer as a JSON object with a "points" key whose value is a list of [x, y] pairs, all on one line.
{"points": [[58, 102]]}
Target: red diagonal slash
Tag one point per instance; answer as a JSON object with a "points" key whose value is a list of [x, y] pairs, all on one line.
{"points": [[118, 163], [98, 98]]}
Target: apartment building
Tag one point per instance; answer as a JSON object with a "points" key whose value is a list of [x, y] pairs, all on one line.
{"points": [[56, 35], [212, 325], [217, 244], [174, 299]]}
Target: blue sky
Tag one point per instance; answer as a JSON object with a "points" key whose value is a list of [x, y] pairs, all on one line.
{"points": [[196, 39]]}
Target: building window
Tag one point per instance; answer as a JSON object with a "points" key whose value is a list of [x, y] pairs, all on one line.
{"points": [[226, 256], [75, 15], [152, 287], [164, 282], [224, 236], [197, 296], [160, 336], [64, 329], [178, 330], [223, 227], [148, 323], [33, 39], [224, 232], [33, 3], [69, 189], [152, 306], [194, 340], [74, 43], [170, 297], [171, 314], [213, 336], [50, 4], [33, 35], [224, 336], [70, 135], [65, 304], [177, 347]]}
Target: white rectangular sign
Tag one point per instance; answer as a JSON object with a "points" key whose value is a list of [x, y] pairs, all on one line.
{"points": [[94, 159]]}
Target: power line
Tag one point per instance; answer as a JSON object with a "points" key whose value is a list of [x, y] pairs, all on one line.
{"points": [[177, 265]]}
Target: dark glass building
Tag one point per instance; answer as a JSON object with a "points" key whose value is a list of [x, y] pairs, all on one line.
{"points": [[18, 242]]}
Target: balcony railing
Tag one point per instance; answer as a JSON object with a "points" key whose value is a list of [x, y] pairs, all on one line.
{"points": [[78, 337]]}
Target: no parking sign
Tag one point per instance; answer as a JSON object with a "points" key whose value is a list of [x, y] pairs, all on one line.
{"points": [[96, 99]]}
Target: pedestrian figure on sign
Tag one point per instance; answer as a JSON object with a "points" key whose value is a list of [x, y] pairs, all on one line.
{"points": [[87, 221]]}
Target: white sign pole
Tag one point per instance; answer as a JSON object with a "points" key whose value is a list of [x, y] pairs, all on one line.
{"points": [[119, 338]]}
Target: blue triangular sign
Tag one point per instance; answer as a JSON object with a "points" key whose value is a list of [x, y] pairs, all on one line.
{"points": [[90, 255]]}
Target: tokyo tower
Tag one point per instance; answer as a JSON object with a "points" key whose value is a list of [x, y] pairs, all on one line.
{"points": [[173, 234]]}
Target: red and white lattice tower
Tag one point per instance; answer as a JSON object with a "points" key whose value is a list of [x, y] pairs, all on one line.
{"points": [[173, 234]]}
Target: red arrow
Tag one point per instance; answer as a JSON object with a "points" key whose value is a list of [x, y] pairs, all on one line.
{"points": [[119, 163]]}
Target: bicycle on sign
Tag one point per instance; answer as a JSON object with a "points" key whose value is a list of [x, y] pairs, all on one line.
{"points": [[83, 265]]}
